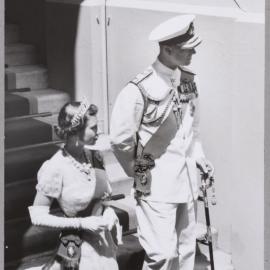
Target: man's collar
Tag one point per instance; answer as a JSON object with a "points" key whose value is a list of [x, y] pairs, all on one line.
{"points": [[161, 68]]}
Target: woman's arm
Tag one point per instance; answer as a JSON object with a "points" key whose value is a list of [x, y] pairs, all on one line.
{"points": [[40, 216]]}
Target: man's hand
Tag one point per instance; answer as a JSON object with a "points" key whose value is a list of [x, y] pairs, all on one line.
{"points": [[205, 166], [110, 217]]}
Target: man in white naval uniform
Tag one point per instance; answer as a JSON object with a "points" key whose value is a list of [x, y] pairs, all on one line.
{"points": [[155, 137]]}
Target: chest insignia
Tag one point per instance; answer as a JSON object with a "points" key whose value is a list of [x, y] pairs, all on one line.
{"points": [[187, 91]]}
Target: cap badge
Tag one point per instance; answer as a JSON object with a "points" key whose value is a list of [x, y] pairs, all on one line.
{"points": [[190, 31]]}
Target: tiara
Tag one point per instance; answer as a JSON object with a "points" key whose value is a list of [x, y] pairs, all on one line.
{"points": [[83, 108]]}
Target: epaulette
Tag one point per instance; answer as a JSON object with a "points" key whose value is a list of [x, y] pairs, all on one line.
{"points": [[141, 76]]}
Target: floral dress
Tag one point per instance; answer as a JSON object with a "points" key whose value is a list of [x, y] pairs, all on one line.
{"points": [[75, 191]]}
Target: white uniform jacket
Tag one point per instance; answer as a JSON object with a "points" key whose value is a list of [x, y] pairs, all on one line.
{"points": [[174, 177]]}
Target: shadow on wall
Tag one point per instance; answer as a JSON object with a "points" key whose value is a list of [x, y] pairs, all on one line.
{"points": [[62, 21], [30, 16], [52, 27], [41, 24]]}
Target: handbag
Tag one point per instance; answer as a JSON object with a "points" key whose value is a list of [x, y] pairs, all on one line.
{"points": [[68, 253]]}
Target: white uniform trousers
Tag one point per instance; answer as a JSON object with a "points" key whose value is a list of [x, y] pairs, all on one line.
{"points": [[167, 232]]}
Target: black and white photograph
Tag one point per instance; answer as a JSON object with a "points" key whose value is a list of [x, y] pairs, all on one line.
{"points": [[135, 135]]}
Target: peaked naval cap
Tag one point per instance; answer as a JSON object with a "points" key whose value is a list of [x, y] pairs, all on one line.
{"points": [[178, 30]]}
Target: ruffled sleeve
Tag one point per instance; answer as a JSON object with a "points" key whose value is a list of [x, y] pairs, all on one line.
{"points": [[49, 180]]}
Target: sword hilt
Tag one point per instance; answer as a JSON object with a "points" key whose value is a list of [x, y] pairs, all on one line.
{"points": [[205, 186]]}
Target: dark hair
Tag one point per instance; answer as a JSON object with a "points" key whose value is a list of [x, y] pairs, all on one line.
{"points": [[65, 128]]}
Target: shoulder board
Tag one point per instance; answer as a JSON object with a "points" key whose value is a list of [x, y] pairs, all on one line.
{"points": [[151, 85], [184, 69], [141, 76]]}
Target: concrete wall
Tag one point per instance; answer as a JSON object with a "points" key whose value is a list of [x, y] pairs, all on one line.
{"points": [[76, 50], [247, 200], [230, 64]]}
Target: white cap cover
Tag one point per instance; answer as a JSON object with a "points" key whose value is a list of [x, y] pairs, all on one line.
{"points": [[176, 27]]}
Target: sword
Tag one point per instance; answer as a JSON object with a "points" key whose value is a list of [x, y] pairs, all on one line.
{"points": [[207, 240]]}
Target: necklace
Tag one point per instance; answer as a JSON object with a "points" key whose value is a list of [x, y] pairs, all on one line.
{"points": [[85, 167]]}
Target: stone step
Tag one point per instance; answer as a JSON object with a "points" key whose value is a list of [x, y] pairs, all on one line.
{"points": [[45, 100], [22, 239], [20, 193], [18, 54], [32, 76], [15, 105], [12, 33], [222, 261], [21, 103], [52, 121], [31, 130], [201, 230], [24, 162]]}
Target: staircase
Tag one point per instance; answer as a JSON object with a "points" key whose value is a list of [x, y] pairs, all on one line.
{"points": [[30, 113], [31, 108]]}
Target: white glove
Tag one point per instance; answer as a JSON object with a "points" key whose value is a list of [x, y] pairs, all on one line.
{"points": [[40, 216], [94, 223]]}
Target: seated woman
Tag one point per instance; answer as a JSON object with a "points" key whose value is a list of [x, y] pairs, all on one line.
{"points": [[75, 177]]}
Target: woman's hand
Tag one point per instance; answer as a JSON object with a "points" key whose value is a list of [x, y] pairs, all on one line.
{"points": [[94, 224]]}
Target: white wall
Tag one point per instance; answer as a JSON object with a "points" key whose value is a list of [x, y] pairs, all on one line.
{"points": [[230, 65], [89, 57], [246, 5], [247, 200]]}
